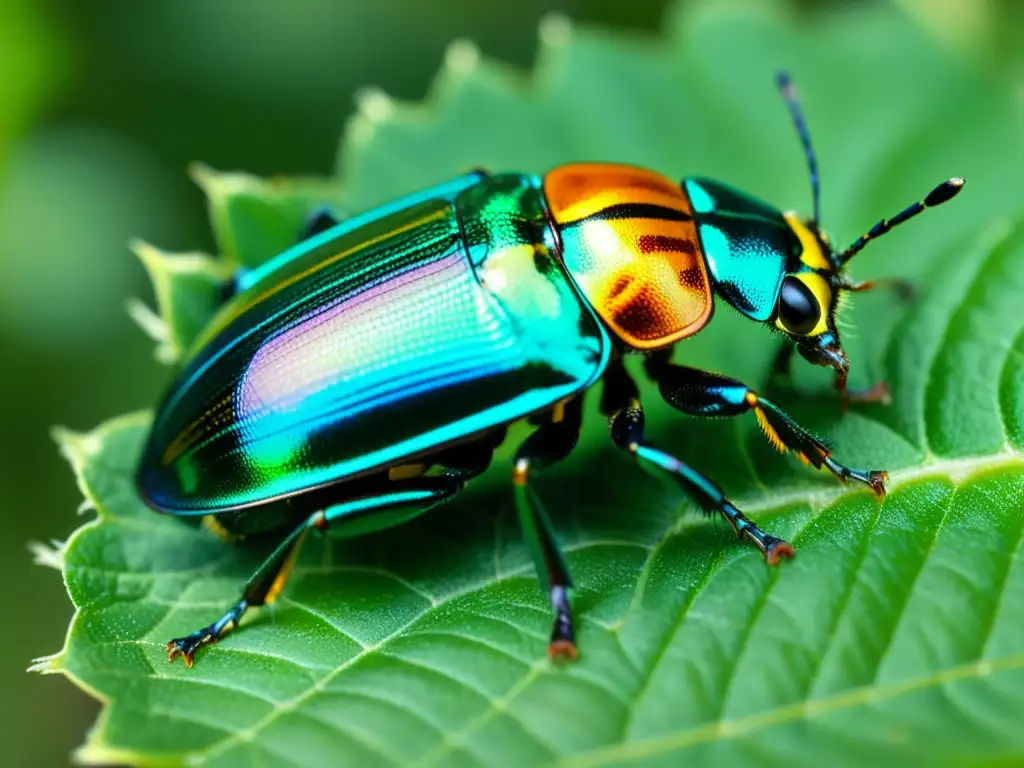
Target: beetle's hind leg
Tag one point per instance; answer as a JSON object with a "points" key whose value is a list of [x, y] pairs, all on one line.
{"points": [[553, 441], [620, 402], [410, 496]]}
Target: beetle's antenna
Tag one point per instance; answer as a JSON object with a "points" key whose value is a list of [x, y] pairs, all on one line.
{"points": [[788, 91], [947, 190]]}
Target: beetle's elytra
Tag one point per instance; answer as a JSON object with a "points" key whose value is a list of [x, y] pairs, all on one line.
{"points": [[363, 376]]}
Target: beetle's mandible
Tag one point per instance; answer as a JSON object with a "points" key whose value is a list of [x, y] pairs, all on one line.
{"points": [[366, 374]]}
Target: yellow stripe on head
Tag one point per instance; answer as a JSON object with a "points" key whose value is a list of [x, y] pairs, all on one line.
{"points": [[811, 254]]}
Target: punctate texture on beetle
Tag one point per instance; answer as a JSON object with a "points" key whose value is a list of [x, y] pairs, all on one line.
{"points": [[375, 344]]}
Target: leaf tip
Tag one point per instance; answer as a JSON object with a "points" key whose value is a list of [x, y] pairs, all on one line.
{"points": [[47, 665], [147, 319], [374, 104], [146, 252], [101, 754], [76, 447], [50, 555], [555, 30], [461, 57], [201, 174]]}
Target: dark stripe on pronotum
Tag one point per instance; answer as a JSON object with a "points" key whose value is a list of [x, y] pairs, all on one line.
{"points": [[634, 211], [664, 243]]}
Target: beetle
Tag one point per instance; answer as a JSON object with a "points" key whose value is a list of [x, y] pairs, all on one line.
{"points": [[366, 374]]}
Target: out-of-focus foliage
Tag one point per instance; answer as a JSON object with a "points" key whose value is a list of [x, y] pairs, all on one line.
{"points": [[894, 634]]}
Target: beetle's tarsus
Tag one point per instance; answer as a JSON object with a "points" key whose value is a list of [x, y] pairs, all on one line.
{"points": [[878, 393], [562, 650], [563, 636], [186, 647], [877, 481], [772, 548], [776, 549], [873, 478]]}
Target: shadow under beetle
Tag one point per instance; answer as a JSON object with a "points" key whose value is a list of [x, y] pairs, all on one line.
{"points": [[363, 376]]}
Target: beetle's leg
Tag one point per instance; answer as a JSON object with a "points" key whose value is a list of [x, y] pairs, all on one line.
{"points": [[780, 379], [269, 579], [320, 220], [620, 402], [551, 442], [780, 376], [903, 289], [709, 394]]}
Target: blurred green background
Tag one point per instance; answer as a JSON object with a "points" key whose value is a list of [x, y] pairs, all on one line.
{"points": [[102, 106]]}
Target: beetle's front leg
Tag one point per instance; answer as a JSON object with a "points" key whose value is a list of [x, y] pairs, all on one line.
{"points": [[621, 403], [708, 394], [780, 377], [552, 442], [266, 583]]}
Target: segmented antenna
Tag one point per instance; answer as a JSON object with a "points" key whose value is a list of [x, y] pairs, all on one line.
{"points": [[946, 191], [788, 91]]}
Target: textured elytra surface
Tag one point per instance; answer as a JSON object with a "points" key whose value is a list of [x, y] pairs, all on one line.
{"points": [[894, 634]]}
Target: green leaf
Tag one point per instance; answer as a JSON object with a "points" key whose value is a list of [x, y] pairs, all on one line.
{"points": [[894, 635], [188, 288], [254, 219]]}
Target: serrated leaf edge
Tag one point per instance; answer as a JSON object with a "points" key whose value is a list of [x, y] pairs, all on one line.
{"points": [[76, 447], [376, 108], [159, 264], [219, 186]]}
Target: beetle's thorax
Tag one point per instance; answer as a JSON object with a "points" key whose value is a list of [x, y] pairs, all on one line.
{"points": [[629, 241]]}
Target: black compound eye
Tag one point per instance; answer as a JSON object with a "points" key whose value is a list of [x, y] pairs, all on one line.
{"points": [[798, 309]]}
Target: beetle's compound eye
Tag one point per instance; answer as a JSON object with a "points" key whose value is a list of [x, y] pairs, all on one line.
{"points": [[799, 310]]}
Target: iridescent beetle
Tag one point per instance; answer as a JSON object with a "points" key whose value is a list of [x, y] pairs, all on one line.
{"points": [[363, 376]]}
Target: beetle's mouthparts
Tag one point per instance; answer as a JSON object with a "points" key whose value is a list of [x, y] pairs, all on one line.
{"points": [[825, 350], [839, 362]]}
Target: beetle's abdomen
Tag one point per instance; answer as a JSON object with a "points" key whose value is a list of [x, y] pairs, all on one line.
{"points": [[396, 338], [629, 240]]}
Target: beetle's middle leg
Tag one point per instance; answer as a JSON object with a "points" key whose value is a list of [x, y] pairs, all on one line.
{"points": [[554, 440], [407, 497], [701, 393], [620, 401]]}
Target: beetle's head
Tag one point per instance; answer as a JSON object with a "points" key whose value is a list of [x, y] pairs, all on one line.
{"points": [[809, 297], [782, 270]]}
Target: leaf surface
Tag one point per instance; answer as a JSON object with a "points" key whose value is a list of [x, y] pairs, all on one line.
{"points": [[894, 635]]}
